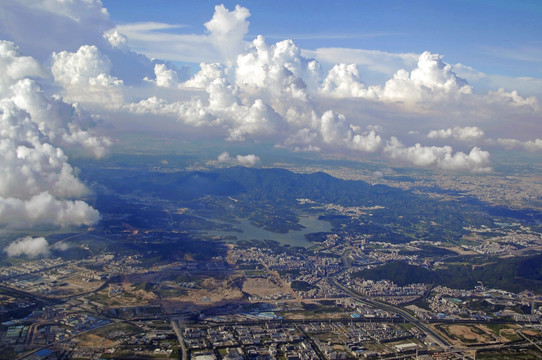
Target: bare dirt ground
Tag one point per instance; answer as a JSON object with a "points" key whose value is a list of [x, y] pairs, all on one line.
{"points": [[142, 296], [262, 287], [212, 291], [465, 334], [154, 288], [460, 250], [76, 285], [92, 340], [531, 332]]}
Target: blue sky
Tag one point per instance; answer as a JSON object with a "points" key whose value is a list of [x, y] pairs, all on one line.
{"points": [[495, 37]]}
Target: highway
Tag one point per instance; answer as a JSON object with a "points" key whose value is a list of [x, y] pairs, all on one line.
{"points": [[405, 315], [180, 338]]}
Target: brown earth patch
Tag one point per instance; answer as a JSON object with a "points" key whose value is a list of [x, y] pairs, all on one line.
{"points": [[460, 250], [212, 291], [468, 334], [92, 340], [261, 287], [531, 333]]}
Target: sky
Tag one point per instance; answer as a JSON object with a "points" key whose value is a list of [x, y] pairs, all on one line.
{"points": [[443, 85], [496, 37]]}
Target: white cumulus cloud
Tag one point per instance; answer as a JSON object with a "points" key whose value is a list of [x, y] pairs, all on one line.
{"points": [[431, 80], [85, 76], [529, 145], [374, 60], [223, 108], [467, 133], [37, 184], [227, 29], [167, 78], [442, 157], [244, 160], [276, 72], [117, 40], [512, 98], [344, 81], [44, 209], [28, 246]]}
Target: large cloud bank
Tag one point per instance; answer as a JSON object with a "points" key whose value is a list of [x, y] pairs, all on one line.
{"points": [[424, 115], [272, 91], [37, 184]]}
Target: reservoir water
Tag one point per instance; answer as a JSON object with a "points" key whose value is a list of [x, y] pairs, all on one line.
{"points": [[293, 237]]}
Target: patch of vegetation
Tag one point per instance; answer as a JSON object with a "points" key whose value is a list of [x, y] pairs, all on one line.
{"points": [[313, 309], [327, 302], [505, 331], [406, 326], [170, 292], [317, 237], [514, 354], [146, 286], [298, 285], [182, 278], [7, 353], [293, 272], [100, 297], [513, 274], [309, 306], [428, 251], [268, 198], [482, 305], [114, 330]]}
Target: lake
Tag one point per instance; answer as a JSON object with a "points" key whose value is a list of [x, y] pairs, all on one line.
{"points": [[294, 237]]}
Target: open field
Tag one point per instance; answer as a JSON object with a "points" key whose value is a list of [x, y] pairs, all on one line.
{"points": [[93, 340], [262, 287], [466, 334]]}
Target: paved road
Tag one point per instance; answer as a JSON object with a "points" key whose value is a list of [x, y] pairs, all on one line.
{"points": [[405, 315], [528, 339], [66, 339], [180, 338]]}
